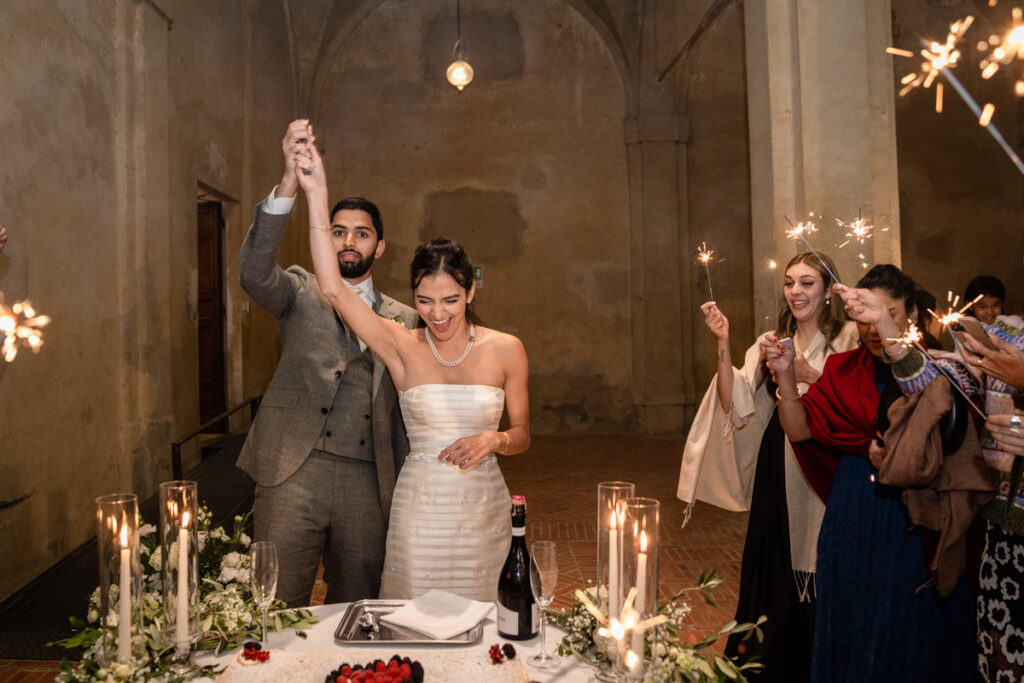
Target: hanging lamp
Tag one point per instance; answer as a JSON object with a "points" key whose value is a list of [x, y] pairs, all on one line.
{"points": [[460, 73]]}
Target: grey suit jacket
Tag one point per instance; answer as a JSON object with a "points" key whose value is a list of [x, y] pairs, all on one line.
{"points": [[313, 351]]}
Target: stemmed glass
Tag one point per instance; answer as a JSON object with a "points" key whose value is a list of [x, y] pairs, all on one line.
{"points": [[263, 577], [543, 579]]}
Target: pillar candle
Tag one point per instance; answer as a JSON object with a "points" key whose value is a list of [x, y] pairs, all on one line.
{"points": [[641, 592], [124, 601], [183, 566], [613, 567]]}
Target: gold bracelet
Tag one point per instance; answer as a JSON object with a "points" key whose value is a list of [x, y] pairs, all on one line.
{"points": [[785, 400], [325, 228], [508, 443]]}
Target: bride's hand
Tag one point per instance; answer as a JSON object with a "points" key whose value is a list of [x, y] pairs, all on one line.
{"points": [[309, 171], [469, 450]]}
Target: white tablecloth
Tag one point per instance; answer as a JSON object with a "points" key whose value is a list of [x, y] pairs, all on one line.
{"points": [[320, 638]]}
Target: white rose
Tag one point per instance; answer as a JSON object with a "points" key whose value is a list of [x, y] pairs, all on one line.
{"points": [[156, 559]]}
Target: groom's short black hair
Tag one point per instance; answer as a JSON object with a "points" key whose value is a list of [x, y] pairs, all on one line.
{"points": [[360, 204]]}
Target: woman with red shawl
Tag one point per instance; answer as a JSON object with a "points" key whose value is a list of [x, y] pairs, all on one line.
{"points": [[879, 617]]}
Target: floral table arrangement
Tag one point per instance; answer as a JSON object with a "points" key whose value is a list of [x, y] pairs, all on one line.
{"points": [[227, 612], [668, 656]]}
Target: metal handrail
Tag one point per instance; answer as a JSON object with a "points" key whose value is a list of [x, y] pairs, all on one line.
{"points": [[253, 403]]}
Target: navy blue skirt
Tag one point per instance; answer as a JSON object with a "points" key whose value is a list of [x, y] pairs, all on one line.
{"points": [[877, 619]]}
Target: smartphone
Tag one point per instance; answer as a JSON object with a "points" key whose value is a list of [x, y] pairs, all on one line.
{"points": [[970, 326]]}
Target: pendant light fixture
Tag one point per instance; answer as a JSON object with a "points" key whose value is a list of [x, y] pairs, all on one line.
{"points": [[460, 73]]}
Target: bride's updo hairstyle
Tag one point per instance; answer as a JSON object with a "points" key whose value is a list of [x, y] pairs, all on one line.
{"points": [[438, 256]]}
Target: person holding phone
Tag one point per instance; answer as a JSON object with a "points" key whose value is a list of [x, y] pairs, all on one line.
{"points": [[999, 367], [872, 579], [737, 458]]}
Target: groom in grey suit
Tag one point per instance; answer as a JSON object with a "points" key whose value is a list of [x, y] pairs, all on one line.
{"points": [[328, 441]]}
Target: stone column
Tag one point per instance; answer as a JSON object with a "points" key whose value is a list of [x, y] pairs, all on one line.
{"points": [[662, 381], [822, 130]]}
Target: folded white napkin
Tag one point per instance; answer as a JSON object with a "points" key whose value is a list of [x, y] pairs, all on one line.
{"points": [[440, 614]]}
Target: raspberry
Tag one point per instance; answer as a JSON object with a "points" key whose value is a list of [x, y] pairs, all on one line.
{"points": [[497, 657]]}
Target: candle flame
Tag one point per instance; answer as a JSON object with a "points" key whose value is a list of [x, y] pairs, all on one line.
{"points": [[643, 541], [632, 659], [124, 536], [618, 632], [184, 519]]}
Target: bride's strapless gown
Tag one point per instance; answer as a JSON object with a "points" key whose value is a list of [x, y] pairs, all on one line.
{"points": [[450, 528]]}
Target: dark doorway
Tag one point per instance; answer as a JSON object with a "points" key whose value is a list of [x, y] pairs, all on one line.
{"points": [[212, 373]]}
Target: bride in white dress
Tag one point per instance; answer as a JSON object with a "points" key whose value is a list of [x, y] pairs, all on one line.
{"points": [[450, 522]]}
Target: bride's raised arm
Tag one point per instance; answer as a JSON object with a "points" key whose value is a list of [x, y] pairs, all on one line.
{"points": [[383, 336]]}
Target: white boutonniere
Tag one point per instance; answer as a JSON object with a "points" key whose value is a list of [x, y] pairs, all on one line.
{"points": [[394, 318]]}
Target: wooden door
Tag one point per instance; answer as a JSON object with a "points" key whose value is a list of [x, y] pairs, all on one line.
{"points": [[212, 394]]}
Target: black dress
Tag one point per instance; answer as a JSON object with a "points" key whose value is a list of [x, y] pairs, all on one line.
{"points": [[767, 583]]}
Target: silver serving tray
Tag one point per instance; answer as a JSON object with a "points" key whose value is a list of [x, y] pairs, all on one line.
{"points": [[361, 624]]}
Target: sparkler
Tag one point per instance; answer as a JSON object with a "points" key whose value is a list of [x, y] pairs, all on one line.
{"points": [[912, 337], [19, 323], [775, 287], [1005, 49], [938, 60], [858, 230], [704, 255], [805, 228], [952, 314]]}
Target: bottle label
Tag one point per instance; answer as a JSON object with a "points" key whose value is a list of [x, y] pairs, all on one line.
{"points": [[508, 620], [518, 531]]}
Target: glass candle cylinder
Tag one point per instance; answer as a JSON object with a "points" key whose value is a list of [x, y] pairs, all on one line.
{"points": [[611, 497], [120, 609], [640, 566], [179, 546]]}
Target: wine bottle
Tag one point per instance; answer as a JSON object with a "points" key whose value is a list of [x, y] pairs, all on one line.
{"points": [[518, 612]]}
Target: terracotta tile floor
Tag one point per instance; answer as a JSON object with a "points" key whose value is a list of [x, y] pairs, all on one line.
{"points": [[559, 477]]}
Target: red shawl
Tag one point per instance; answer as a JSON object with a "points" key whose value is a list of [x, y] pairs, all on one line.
{"points": [[841, 408]]}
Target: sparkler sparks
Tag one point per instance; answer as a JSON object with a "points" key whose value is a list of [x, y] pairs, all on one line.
{"points": [[1005, 49], [805, 228], [952, 314], [939, 58], [859, 231], [20, 324], [912, 337], [704, 256]]}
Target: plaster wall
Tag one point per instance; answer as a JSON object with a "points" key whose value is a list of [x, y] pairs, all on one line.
{"points": [[112, 112], [526, 167]]}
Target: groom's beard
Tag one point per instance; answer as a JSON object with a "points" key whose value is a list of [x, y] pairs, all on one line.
{"points": [[354, 269]]}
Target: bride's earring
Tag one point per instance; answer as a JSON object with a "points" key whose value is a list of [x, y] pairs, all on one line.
{"points": [[828, 300]]}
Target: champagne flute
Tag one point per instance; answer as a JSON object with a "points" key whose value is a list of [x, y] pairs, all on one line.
{"points": [[543, 579], [263, 578]]}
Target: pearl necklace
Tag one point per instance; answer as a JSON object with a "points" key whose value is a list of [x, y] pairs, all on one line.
{"points": [[450, 363]]}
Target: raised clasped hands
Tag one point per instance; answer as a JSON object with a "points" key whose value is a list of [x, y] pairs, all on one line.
{"points": [[305, 161], [470, 450]]}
